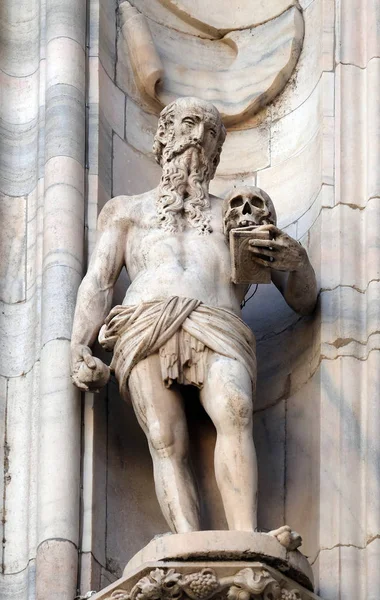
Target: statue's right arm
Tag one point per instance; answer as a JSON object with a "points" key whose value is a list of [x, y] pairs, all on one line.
{"points": [[95, 297]]}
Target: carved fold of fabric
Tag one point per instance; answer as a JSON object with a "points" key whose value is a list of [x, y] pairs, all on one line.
{"points": [[183, 331], [183, 359]]}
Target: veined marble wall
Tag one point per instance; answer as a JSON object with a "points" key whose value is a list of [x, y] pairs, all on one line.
{"points": [[77, 492], [349, 481]]}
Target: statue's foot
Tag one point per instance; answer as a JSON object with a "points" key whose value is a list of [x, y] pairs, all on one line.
{"points": [[291, 540]]}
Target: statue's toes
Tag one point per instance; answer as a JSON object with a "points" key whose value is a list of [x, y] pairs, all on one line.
{"points": [[291, 540]]}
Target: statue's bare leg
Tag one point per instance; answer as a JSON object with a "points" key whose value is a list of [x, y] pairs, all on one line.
{"points": [[227, 398], [161, 415]]}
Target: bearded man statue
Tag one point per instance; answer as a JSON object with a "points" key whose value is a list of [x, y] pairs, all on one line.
{"points": [[180, 322], [187, 170]]}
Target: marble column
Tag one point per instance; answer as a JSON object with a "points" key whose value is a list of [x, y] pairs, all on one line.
{"points": [[20, 284], [42, 176], [59, 434]]}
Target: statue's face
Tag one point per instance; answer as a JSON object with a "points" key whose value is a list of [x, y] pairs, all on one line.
{"points": [[195, 126], [246, 207]]}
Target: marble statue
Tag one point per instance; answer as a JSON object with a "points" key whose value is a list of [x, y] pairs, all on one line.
{"points": [[180, 321]]}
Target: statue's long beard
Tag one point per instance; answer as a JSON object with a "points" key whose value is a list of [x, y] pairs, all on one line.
{"points": [[183, 191]]}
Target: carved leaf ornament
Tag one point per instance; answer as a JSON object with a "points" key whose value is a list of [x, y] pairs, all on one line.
{"points": [[247, 54], [254, 583]]}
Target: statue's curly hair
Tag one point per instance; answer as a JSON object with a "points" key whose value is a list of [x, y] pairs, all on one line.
{"points": [[165, 132]]}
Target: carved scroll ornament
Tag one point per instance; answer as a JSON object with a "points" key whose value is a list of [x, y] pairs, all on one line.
{"points": [[238, 69]]}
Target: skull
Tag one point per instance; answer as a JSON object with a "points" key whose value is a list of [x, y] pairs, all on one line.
{"points": [[246, 207]]}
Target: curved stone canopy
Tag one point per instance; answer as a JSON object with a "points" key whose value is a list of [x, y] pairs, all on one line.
{"points": [[239, 72], [227, 16], [213, 18]]}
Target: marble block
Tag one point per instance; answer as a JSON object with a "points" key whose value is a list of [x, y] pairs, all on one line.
{"points": [[206, 564]]}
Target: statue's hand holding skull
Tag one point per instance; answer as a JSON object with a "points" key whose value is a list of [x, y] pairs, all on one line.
{"points": [[251, 208], [280, 252]]}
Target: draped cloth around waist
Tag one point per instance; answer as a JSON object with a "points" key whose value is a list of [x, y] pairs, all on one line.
{"points": [[183, 331]]}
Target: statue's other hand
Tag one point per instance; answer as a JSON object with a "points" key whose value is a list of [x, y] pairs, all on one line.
{"points": [[88, 373], [281, 252]]}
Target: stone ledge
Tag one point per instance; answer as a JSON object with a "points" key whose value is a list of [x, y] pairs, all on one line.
{"points": [[214, 565], [224, 546]]}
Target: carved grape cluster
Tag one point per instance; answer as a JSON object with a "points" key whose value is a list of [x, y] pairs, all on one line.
{"points": [[249, 583], [201, 585], [119, 595], [290, 595]]}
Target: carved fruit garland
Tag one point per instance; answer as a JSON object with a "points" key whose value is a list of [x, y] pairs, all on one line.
{"points": [[167, 584]]}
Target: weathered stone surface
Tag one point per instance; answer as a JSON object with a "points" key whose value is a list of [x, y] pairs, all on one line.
{"points": [[343, 381], [59, 474], [293, 132], [355, 150], [309, 66], [133, 172], [112, 101], [20, 472], [360, 38], [19, 586], [13, 213], [19, 55], [245, 151], [161, 12], [18, 157], [106, 35], [294, 184]]}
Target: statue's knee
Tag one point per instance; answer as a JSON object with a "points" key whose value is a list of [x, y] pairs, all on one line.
{"points": [[162, 441], [237, 413]]}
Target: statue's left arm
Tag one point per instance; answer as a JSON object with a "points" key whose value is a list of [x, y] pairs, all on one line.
{"points": [[290, 267]]}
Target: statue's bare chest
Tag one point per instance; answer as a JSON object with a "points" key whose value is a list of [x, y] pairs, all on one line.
{"points": [[150, 246]]}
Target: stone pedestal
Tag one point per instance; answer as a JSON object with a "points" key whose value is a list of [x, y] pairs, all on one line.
{"points": [[214, 565]]}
